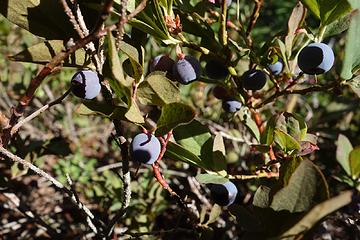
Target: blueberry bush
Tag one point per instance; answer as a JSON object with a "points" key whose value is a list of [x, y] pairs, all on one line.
{"points": [[179, 119]]}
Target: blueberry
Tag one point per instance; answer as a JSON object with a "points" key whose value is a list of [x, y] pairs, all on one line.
{"points": [[276, 68], [231, 105], [145, 148], [218, 3], [216, 69], [86, 84], [186, 70], [161, 63], [253, 79], [316, 58], [220, 92], [223, 194]]}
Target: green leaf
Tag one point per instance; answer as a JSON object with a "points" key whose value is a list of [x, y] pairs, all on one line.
{"points": [[351, 60], [117, 81], [196, 138], [354, 162], [95, 108], [286, 142], [292, 124], [156, 89], [42, 53], [338, 26], [211, 178], [179, 153], [298, 195], [135, 57], [172, 115], [134, 115], [214, 214], [328, 11], [313, 6], [343, 150], [245, 117], [296, 18], [355, 85], [262, 197], [46, 19], [219, 159], [267, 136]]}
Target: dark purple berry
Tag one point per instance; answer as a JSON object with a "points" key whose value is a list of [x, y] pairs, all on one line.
{"points": [[316, 58], [276, 68], [161, 63], [145, 148], [231, 105], [220, 92], [85, 84], [186, 70], [253, 79], [223, 194]]}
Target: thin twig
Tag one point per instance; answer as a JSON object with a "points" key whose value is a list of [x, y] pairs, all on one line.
{"points": [[24, 101], [39, 111], [253, 18], [94, 224]]}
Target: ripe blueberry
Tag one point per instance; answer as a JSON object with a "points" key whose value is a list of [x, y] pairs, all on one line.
{"points": [[86, 84], [161, 63], [220, 92], [216, 69], [145, 148], [316, 58], [276, 68], [186, 70], [223, 194], [231, 105], [253, 79]]}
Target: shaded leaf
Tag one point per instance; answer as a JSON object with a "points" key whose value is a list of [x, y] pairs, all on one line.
{"points": [[355, 85], [343, 150], [173, 115], [46, 19], [246, 119], [211, 178], [338, 26], [136, 59], [318, 212], [117, 81], [262, 197], [157, 89], [42, 53], [299, 194]]}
